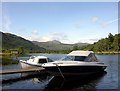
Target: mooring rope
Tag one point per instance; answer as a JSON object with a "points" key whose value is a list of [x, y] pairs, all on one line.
{"points": [[60, 71]]}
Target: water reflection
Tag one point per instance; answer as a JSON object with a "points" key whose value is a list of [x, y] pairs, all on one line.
{"points": [[36, 81], [51, 83], [36, 78], [74, 83]]}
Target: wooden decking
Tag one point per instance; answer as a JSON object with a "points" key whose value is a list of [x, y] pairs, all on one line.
{"points": [[11, 71]]}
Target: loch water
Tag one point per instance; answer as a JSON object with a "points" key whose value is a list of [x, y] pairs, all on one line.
{"points": [[107, 80]]}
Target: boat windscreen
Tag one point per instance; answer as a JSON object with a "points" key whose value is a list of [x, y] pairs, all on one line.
{"points": [[74, 58], [68, 58], [50, 60], [32, 57]]}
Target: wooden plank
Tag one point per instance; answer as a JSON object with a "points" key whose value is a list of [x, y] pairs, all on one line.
{"points": [[21, 70]]}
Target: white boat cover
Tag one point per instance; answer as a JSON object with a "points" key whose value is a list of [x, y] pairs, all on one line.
{"points": [[80, 53], [89, 54]]}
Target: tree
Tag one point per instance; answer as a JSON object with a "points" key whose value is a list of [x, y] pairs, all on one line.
{"points": [[75, 47], [110, 39], [116, 43], [21, 50], [111, 43]]}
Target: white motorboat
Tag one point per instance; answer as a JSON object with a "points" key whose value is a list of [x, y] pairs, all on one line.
{"points": [[75, 63], [34, 61]]}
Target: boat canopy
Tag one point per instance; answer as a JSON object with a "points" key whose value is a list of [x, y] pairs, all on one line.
{"points": [[91, 58], [90, 55], [80, 53]]}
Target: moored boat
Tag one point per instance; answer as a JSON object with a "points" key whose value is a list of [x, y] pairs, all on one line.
{"points": [[75, 63], [34, 61]]}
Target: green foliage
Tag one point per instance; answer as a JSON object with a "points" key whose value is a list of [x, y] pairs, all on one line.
{"points": [[75, 47], [116, 42], [10, 41], [6, 61], [21, 50], [111, 43]]}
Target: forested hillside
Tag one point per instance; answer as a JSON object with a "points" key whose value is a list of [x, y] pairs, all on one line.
{"points": [[14, 42], [111, 43], [11, 41], [57, 45]]}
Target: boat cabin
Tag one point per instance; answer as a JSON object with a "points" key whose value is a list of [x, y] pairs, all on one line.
{"points": [[87, 56], [38, 60]]}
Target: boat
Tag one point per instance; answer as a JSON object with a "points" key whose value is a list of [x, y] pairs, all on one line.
{"points": [[34, 61], [75, 63]]}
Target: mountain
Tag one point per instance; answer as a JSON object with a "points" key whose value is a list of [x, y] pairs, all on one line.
{"points": [[57, 45], [11, 41], [54, 42]]}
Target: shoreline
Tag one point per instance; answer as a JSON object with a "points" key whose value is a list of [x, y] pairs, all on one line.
{"points": [[10, 54], [107, 52]]}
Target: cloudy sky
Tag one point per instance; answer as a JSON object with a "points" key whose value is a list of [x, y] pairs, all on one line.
{"points": [[68, 22]]}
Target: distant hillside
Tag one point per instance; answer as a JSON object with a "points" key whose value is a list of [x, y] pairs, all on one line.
{"points": [[11, 41], [110, 43], [57, 45]]}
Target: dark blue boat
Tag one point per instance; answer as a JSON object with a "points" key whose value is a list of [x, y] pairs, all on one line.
{"points": [[75, 63]]}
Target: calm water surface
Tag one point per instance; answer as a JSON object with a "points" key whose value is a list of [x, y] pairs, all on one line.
{"points": [[105, 80]]}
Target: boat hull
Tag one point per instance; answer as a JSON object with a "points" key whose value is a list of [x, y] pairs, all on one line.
{"points": [[74, 70], [24, 64]]}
